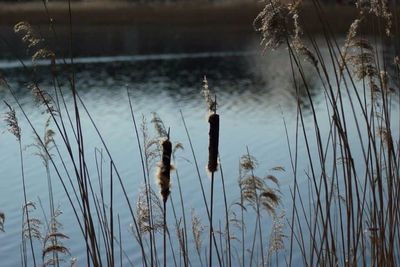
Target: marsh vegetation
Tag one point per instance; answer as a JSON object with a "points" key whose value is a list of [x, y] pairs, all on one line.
{"points": [[296, 163]]}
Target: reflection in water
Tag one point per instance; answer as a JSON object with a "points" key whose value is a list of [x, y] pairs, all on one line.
{"points": [[245, 75], [113, 40]]}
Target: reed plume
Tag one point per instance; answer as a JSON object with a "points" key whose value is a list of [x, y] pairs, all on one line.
{"points": [[273, 23], [149, 218], [277, 236], [43, 98], [29, 35], [31, 225], [298, 43], [12, 122], [197, 230], [52, 245], [256, 193], [44, 53]]}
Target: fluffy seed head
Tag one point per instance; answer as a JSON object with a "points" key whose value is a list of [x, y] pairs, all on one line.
{"points": [[29, 36], [12, 122]]}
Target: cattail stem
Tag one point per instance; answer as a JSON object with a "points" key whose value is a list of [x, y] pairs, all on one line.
{"points": [[211, 219], [25, 203], [213, 119], [165, 233], [163, 179]]}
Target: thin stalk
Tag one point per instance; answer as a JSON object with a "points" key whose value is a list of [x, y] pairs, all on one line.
{"points": [[165, 233], [25, 202], [211, 220]]}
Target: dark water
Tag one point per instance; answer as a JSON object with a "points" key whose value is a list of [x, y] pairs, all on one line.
{"points": [[255, 95]]}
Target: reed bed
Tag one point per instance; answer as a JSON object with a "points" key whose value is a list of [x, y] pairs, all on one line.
{"points": [[344, 203]]}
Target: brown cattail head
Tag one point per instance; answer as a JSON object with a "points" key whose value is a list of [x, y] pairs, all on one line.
{"points": [[164, 169], [2, 219], [213, 119]]}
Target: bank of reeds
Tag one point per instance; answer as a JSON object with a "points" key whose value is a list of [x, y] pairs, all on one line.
{"points": [[344, 204]]}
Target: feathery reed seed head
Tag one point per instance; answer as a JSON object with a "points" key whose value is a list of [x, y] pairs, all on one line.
{"points": [[43, 98], [197, 230], [12, 122], [211, 103], [277, 236], [273, 23], [29, 36], [146, 197]]}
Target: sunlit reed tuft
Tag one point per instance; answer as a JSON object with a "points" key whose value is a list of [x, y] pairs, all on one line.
{"points": [[144, 211], [31, 225], [12, 122], [29, 36]]}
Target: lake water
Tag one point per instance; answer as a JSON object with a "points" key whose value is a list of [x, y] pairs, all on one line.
{"points": [[255, 95]]}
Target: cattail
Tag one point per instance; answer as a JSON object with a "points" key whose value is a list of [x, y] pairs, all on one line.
{"points": [[213, 119], [2, 220], [164, 169]]}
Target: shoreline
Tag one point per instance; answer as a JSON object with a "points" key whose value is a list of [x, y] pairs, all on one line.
{"points": [[229, 14]]}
